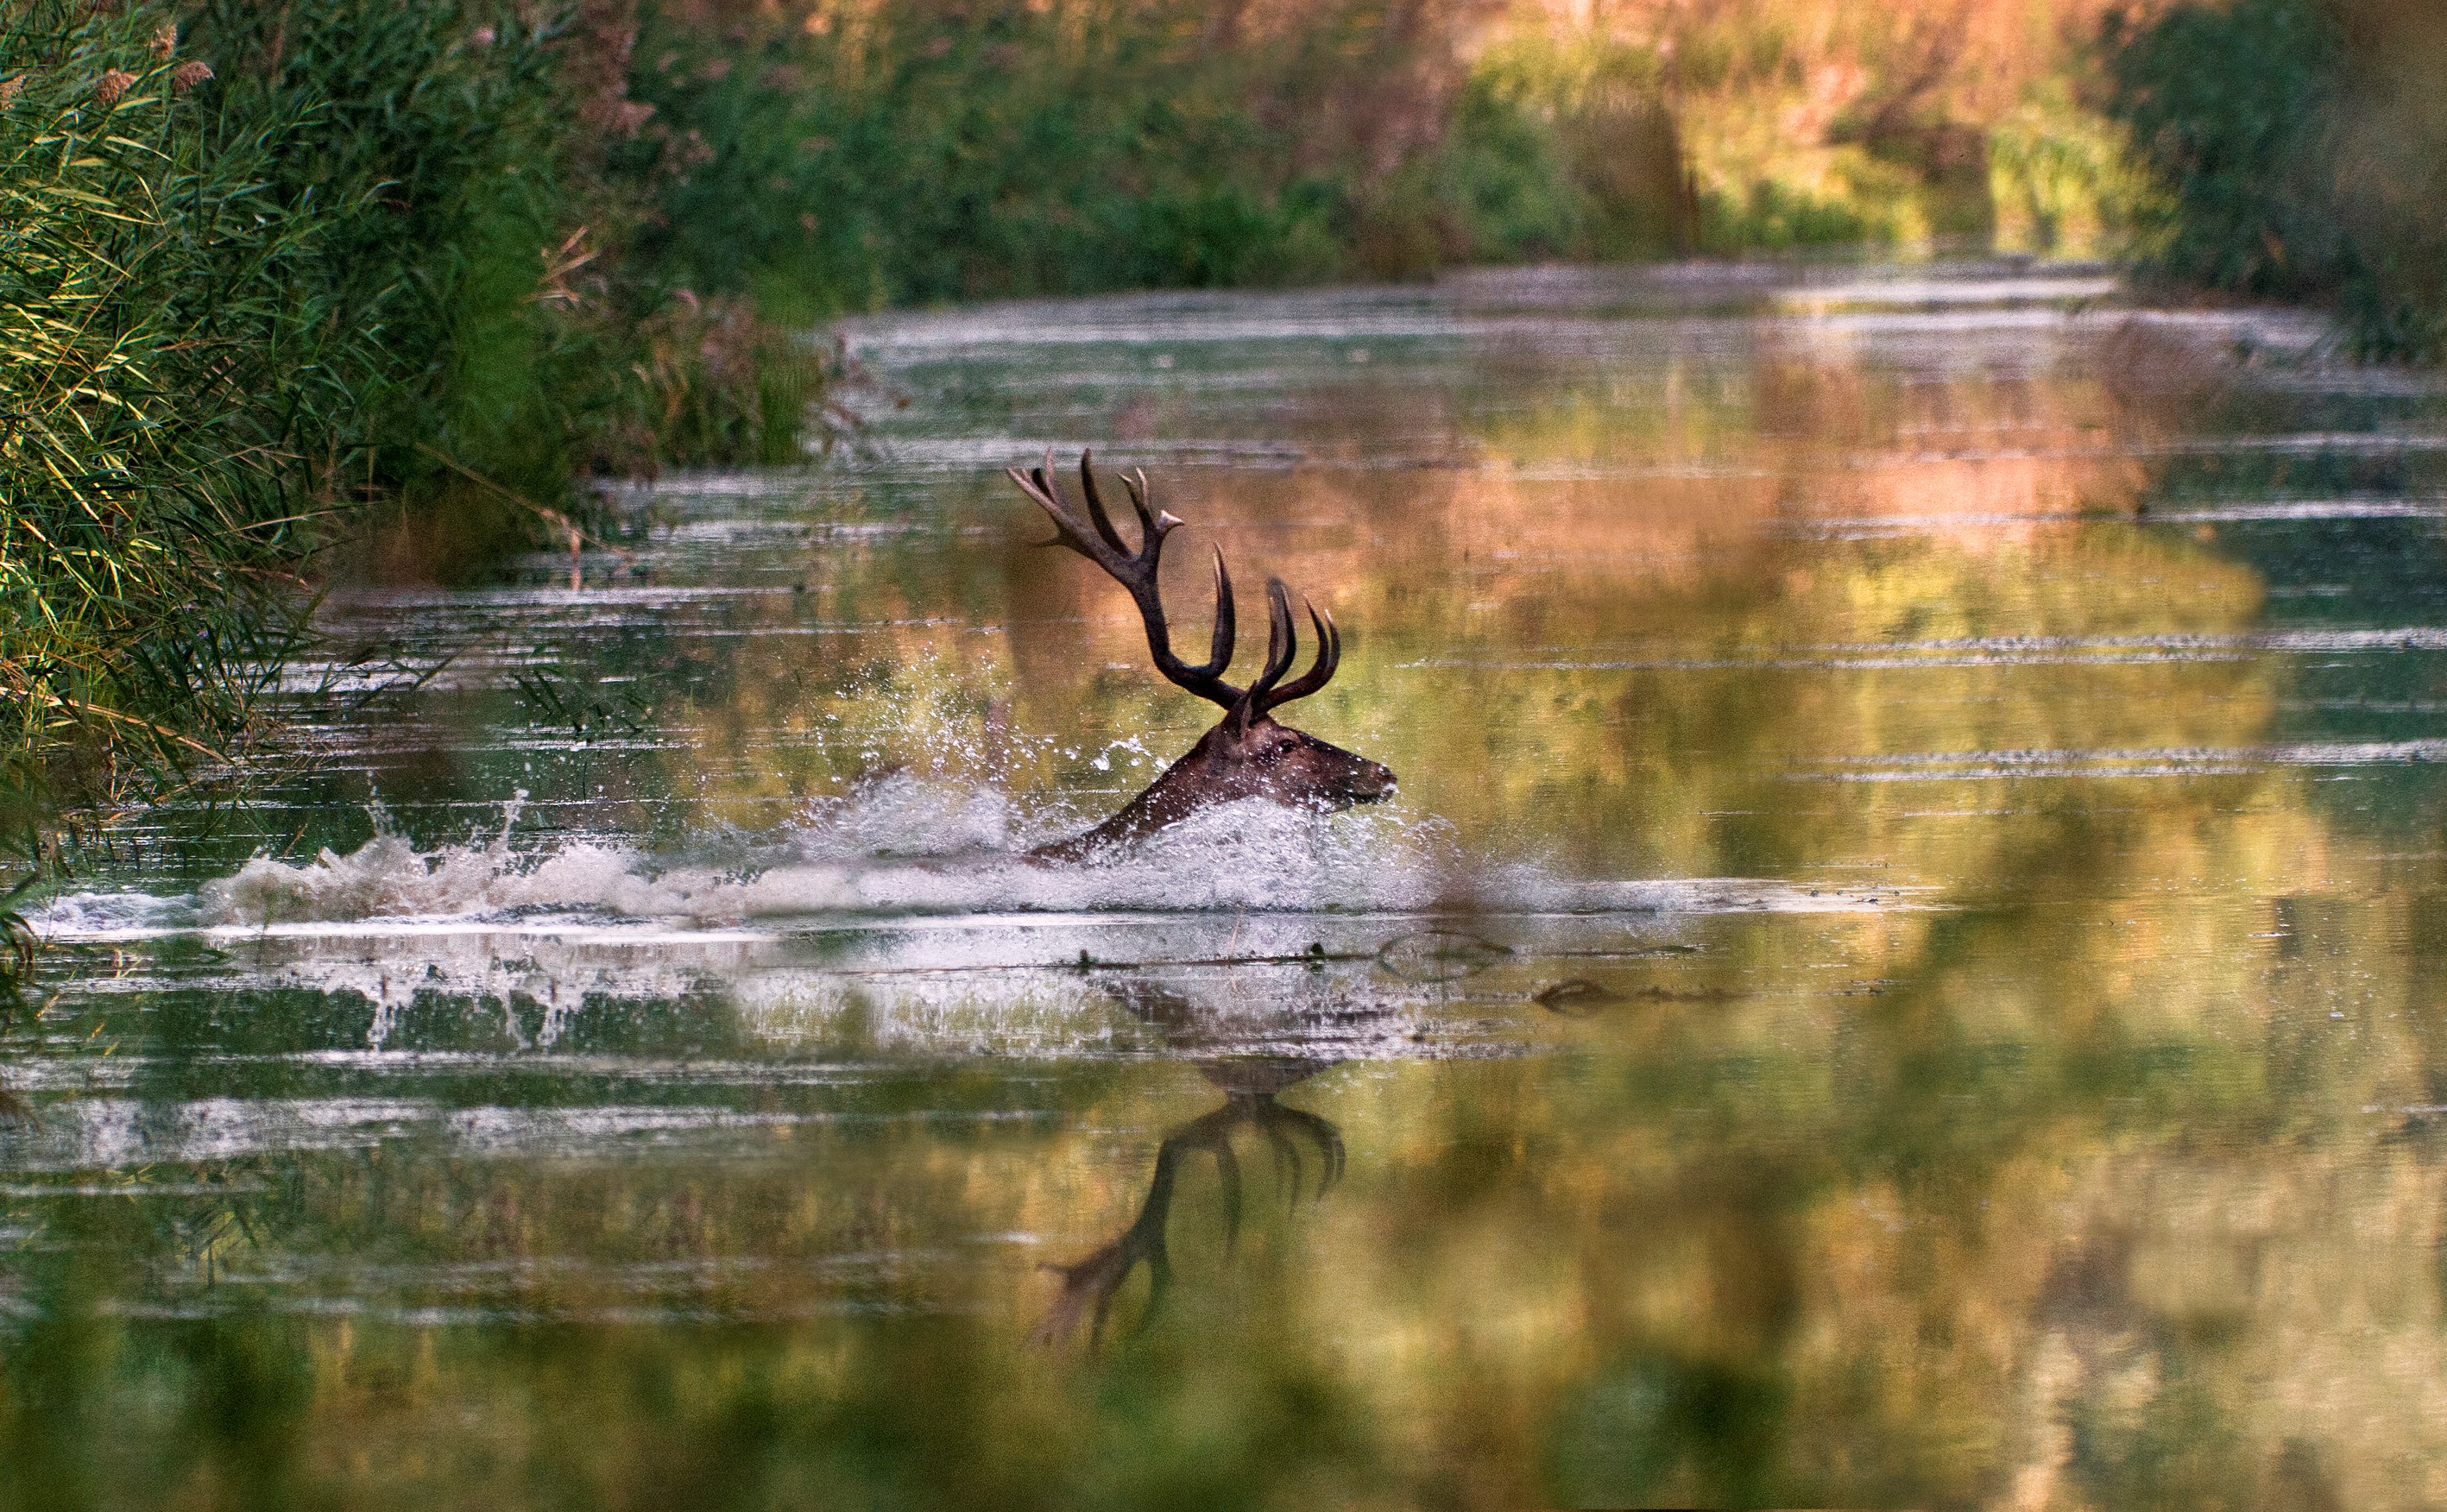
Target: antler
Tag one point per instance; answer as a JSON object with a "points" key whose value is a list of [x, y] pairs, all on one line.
{"points": [[1090, 1285], [1136, 569], [1282, 644], [1096, 540]]}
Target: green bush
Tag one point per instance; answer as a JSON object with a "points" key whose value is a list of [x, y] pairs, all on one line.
{"points": [[2300, 144], [483, 220], [2232, 105], [944, 152], [1570, 149]]}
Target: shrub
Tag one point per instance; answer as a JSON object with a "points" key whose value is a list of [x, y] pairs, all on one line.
{"points": [[2300, 145], [2231, 105], [843, 158]]}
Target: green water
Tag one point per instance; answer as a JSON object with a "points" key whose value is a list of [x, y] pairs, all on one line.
{"points": [[1900, 972]]}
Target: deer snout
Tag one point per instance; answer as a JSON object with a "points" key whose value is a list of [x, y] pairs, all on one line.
{"points": [[1368, 784]]}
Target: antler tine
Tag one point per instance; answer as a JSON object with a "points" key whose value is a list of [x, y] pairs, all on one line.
{"points": [[1329, 657], [1329, 1140], [1281, 646], [1138, 571], [1227, 1176], [1218, 649], [1150, 522], [1096, 509], [1288, 1167], [1048, 484], [1042, 491]]}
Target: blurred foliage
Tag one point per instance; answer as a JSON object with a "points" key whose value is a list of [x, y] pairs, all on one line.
{"points": [[846, 157], [2303, 146], [1923, 125], [838, 156]]}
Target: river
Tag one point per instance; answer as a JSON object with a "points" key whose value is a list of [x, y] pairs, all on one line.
{"points": [[1900, 971]]}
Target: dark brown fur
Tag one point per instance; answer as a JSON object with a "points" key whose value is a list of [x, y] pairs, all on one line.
{"points": [[1274, 761]]}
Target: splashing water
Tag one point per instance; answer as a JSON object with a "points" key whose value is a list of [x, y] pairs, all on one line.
{"points": [[907, 847]]}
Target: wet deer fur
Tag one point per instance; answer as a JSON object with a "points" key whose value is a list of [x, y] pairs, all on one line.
{"points": [[1248, 753]]}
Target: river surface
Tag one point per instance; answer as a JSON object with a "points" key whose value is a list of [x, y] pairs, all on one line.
{"points": [[1905, 967]]}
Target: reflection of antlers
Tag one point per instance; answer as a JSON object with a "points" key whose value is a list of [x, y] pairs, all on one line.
{"points": [[1095, 1281], [1096, 540]]}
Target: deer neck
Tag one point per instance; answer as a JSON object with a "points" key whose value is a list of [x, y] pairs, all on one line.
{"points": [[1183, 788], [1214, 771]]}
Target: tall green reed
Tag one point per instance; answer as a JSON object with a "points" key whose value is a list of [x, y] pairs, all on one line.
{"points": [[268, 272], [171, 373]]}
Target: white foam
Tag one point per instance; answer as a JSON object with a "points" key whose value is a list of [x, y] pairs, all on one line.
{"points": [[906, 848], [907, 918], [903, 846], [130, 1134]]}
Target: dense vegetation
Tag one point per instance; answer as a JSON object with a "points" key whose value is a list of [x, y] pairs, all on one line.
{"points": [[2304, 144], [849, 155], [271, 270], [170, 356], [854, 157]]}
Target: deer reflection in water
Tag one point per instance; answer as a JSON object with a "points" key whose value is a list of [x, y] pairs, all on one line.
{"points": [[1249, 1086], [1250, 1083]]}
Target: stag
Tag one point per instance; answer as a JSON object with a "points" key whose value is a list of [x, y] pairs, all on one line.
{"points": [[1248, 753]]}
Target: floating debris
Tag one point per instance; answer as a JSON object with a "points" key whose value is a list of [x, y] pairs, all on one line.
{"points": [[1437, 955], [1575, 997]]}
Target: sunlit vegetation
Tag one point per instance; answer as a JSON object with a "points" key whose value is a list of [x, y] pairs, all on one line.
{"points": [[1930, 124], [170, 361]]}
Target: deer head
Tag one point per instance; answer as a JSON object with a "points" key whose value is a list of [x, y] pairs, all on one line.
{"points": [[1248, 753]]}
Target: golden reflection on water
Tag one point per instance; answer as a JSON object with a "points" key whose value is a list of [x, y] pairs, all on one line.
{"points": [[2096, 1164]]}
